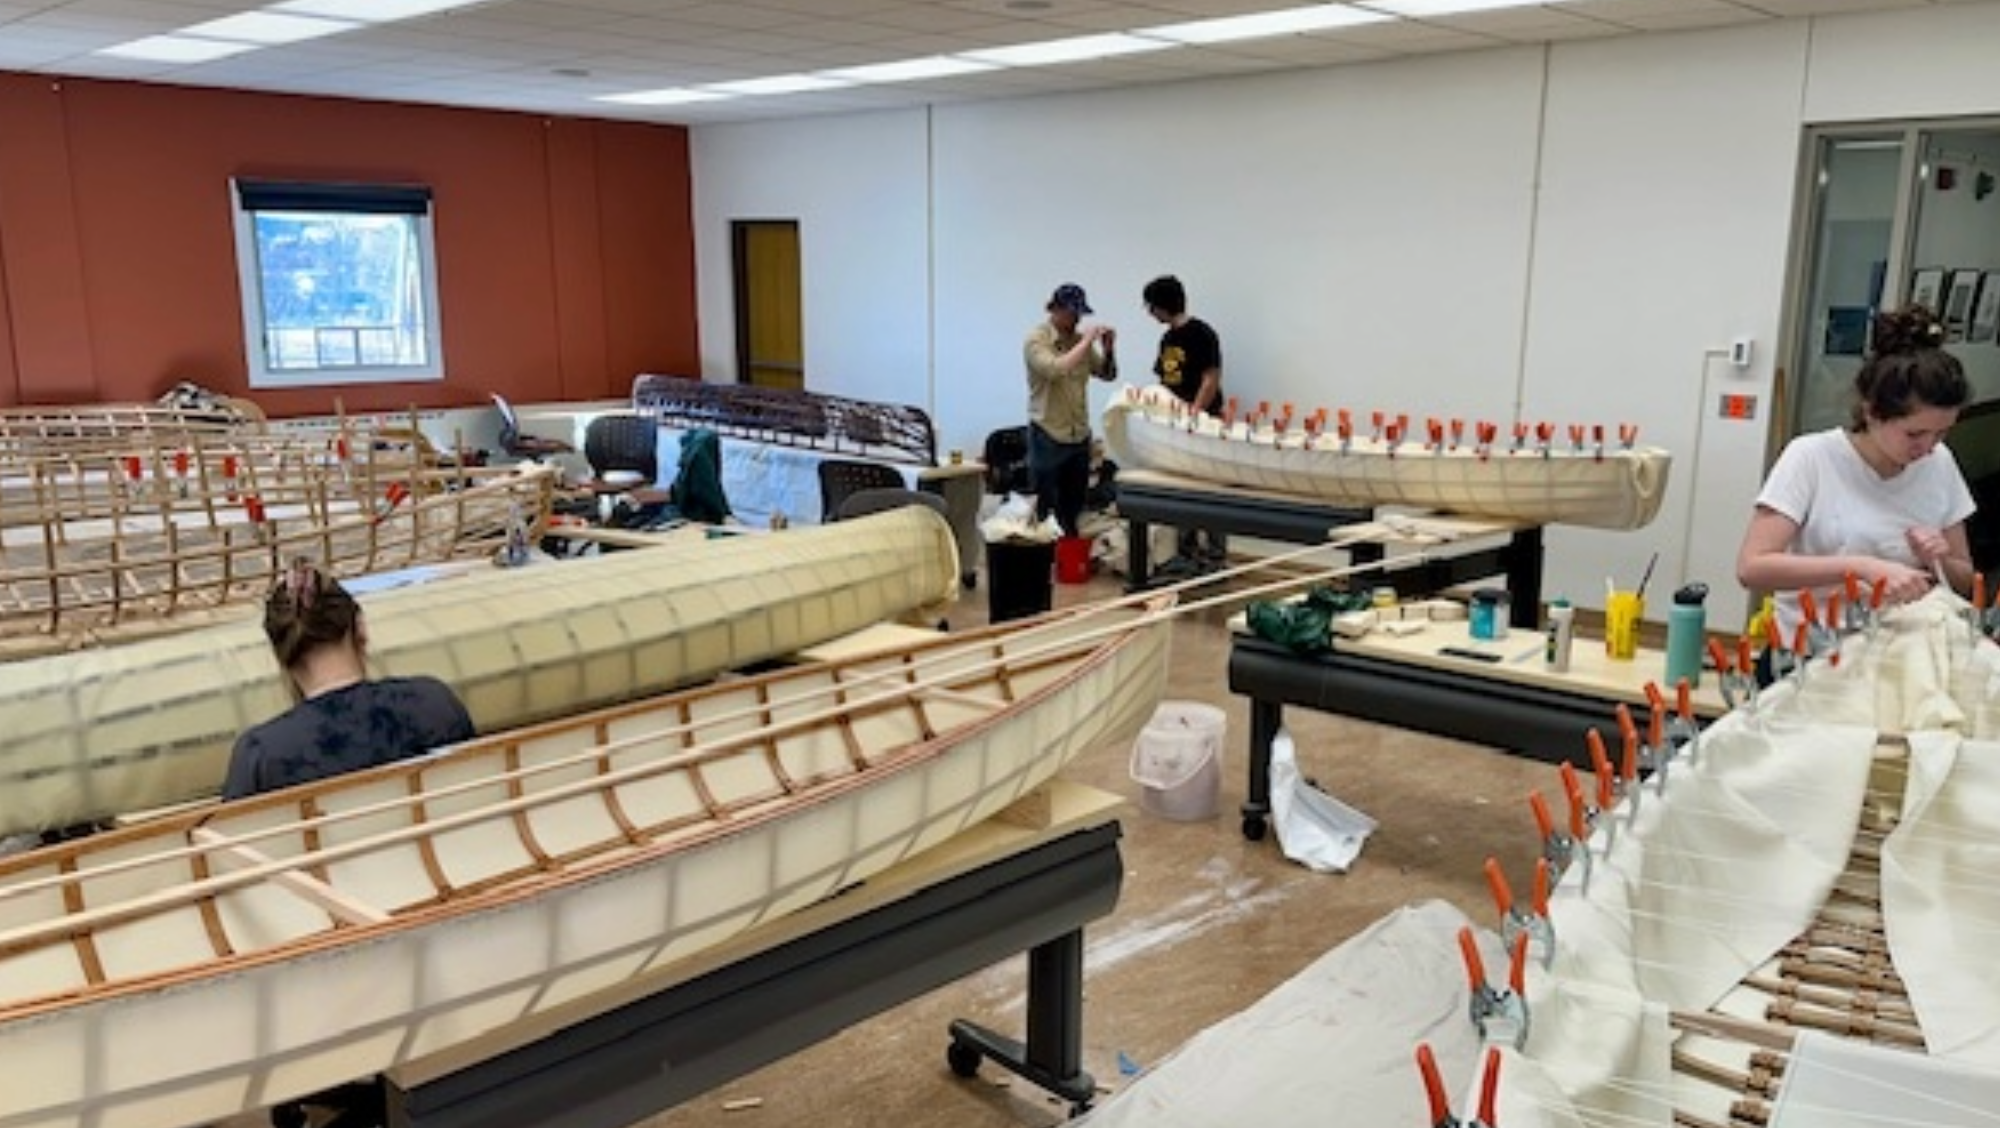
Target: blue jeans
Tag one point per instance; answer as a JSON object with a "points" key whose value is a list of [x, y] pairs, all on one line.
{"points": [[1061, 475]]}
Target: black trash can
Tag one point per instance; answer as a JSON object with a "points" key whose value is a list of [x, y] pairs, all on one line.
{"points": [[1020, 578]]}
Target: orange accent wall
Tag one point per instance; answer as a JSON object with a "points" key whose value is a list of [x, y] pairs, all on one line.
{"points": [[565, 246]]}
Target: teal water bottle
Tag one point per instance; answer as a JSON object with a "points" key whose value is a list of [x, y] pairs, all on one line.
{"points": [[1687, 629]]}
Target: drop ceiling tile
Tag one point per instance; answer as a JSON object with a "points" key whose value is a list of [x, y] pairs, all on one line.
{"points": [[1792, 8], [108, 67], [1294, 51], [164, 15], [1182, 10], [939, 19], [858, 30], [1654, 15], [542, 17], [664, 42], [1520, 23], [1411, 35]]}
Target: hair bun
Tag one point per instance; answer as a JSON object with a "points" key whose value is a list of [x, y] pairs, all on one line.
{"points": [[1907, 330]]}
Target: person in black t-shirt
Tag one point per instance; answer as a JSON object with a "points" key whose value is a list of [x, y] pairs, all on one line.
{"points": [[1190, 366], [343, 721]]}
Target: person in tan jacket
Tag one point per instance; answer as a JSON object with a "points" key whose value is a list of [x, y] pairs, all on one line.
{"points": [[1062, 356]]}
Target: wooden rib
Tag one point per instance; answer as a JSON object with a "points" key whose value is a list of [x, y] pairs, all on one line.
{"points": [[1757, 1082], [1730, 1028], [1749, 1113], [82, 939], [1894, 1008], [426, 842], [609, 795], [1793, 1012], [857, 756], [771, 750], [341, 906], [523, 826]]}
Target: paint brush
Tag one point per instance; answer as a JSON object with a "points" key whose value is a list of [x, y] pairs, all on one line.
{"points": [[1647, 577]]}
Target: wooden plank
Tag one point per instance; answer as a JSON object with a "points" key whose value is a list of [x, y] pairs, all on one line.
{"points": [[341, 906]]}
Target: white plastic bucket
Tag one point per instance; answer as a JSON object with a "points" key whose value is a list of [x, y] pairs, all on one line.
{"points": [[1177, 761]]}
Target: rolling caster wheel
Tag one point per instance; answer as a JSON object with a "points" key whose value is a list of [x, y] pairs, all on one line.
{"points": [[964, 1060], [1253, 827]]}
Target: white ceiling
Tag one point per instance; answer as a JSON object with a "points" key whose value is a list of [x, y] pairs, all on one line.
{"points": [[556, 56]]}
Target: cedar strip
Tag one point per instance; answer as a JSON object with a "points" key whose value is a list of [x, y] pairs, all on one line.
{"points": [[1794, 1013]]}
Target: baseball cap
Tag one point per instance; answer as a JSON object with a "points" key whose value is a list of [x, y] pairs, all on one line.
{"points": [[1069, 296]]}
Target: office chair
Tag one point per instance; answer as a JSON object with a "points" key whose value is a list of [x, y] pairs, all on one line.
{"points": [[623, 442], [516, 445], [840, 479]]}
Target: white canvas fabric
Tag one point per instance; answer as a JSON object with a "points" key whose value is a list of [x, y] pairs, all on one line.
{"points": [[1838, 1083], [1334, 1040], [1940, 902]]}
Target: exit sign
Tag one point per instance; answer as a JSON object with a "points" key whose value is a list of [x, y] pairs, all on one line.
{"points": [[1738, 407]]}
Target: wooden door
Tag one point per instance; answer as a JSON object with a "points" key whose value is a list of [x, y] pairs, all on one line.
{"points": [[770, 334]]}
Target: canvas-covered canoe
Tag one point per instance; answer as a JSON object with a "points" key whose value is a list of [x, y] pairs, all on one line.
{"points": [[1605, 485], [229, 958], [114, 730]]}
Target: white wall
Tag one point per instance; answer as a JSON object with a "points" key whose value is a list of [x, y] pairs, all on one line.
{"points": [[1668, 170], [1573, 229], [1266, 196], [859, 187]]}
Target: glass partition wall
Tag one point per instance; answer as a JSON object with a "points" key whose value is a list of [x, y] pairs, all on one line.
{"points": [[1892, 214], [1896, 214]]}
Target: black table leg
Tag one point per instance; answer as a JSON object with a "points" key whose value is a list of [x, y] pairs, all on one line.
{"points": [[1138, 553], [1523, 556], [1265, 719], [1052, 1057]]}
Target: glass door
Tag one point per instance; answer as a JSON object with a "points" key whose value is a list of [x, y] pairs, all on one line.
{"points": [[1851, 267]]}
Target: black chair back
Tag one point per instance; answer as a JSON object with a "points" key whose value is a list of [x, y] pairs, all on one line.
{"points": [[840, 479], [1006, 458], [622, 442]]}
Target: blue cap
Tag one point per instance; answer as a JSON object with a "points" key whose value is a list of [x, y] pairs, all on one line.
{"points": [[1069, 296]]}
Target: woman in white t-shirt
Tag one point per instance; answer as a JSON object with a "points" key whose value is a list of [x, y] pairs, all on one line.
{"points": [[1881, 499]]}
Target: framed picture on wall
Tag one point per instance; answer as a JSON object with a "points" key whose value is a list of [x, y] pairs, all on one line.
{"points": [[1986, 309], [1846, 331], [1927, 287], [1958, 303]]}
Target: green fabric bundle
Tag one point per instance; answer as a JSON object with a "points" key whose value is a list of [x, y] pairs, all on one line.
{"points": [[1303, 625]]}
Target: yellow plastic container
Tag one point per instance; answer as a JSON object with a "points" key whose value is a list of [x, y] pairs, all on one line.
{"points": [[1622, 613]]}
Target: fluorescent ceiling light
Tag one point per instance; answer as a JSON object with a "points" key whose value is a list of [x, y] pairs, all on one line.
{"points": [[911, 70], [267, 28], [1079, 49], [777, 84], [370, 11], [175, 49], [671, 96], [1422, 8], [1263, 25]]}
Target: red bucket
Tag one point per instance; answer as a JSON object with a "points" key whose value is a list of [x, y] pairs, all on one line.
{"points": [[1073, 560]]}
